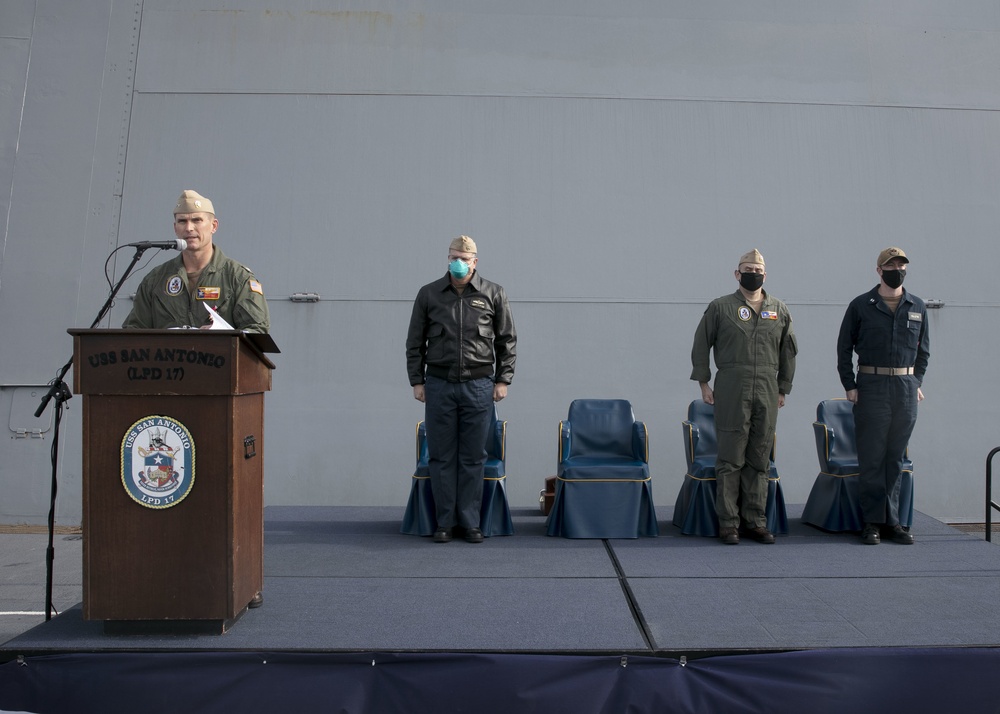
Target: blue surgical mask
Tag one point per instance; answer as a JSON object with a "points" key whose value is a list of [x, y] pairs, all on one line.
{"points": [[458, 269]]}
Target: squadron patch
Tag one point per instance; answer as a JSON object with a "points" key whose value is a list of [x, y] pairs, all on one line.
{"points": [[175, 285], [205, 293], [744, 313], [157, 462]]}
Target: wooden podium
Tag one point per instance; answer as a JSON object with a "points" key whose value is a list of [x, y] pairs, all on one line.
{"points": [[173, 477]]}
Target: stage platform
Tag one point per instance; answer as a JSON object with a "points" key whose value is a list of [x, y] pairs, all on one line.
{"points": [[344, 584]]}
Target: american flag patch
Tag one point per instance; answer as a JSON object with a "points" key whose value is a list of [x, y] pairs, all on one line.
{"points": [[255, 286]]}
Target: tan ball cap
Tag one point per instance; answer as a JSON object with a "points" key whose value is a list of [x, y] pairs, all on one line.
{"points": [[888, 254]]}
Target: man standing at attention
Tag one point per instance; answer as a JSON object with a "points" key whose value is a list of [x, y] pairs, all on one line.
{"points": [[175, 293], [887, 327], [755, 348], [460, 352]]}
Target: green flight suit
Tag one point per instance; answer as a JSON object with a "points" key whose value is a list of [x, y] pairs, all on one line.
{"points": [[755, 362], [165, 299]]}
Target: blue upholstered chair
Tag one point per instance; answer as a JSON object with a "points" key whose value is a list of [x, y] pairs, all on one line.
{"points": [[603, 489], [494, 517], [834, 503], [694, 511]]}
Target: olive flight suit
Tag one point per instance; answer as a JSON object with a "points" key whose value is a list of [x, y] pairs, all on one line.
{"points": [[165, 299], [755, 362]]}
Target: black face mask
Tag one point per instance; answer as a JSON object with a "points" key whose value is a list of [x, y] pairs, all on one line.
{"points": [[751, 282], [893, 278]]}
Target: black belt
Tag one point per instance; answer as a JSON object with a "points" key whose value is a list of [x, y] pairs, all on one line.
{"points": [[885, 371], [474, 373]]}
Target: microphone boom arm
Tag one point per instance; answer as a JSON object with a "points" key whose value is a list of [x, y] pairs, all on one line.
{"points": [[100, 316]]}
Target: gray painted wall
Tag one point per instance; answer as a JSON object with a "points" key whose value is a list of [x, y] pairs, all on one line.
{"points": [[612, 160]]}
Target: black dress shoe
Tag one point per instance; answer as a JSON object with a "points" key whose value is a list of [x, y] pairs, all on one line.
{"points": [[870, 536], [257, 601], [473, 535], [442, 535], [901, 535]]}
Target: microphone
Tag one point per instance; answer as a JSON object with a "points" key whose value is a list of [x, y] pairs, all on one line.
{"points": [[175, 244]]}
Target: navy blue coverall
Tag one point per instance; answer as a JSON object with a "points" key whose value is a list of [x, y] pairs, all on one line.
{"points": [[886, 410]]}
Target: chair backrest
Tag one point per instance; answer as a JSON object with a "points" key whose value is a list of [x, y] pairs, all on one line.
{"points": [[836, 415], [601, 427], [702, 444]]}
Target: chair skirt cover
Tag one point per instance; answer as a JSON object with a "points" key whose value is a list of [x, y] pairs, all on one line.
{"points": [[694, 511], [834, 504], [777, 517], [906, 499], [494, 517], [588, 508], [419, 517]]}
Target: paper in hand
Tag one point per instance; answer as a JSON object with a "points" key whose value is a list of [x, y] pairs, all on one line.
{"points": [[217, 322]]}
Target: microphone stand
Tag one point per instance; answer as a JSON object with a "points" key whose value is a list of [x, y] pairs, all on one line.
{"points": [[62, 394]]}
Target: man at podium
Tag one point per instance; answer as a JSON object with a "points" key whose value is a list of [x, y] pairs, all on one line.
{"points": [[177, 293]]}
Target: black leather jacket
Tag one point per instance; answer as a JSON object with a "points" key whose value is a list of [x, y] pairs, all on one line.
{"points": [[461, 337]]}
